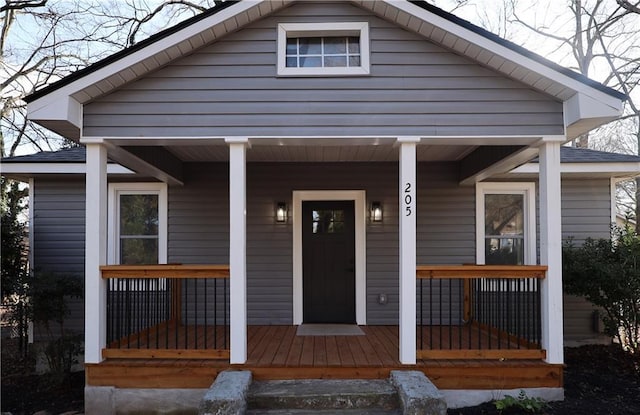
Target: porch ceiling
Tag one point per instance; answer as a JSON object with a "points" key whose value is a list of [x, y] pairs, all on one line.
{"points": [[319, 153]]}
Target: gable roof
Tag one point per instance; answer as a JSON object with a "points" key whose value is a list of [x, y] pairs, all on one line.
{"points": [[587, 103]]}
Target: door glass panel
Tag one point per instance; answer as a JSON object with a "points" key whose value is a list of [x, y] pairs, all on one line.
{"points": [[328, 221]]}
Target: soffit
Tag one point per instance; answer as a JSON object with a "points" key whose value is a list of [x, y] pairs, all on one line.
{"points": [[319, 153]]}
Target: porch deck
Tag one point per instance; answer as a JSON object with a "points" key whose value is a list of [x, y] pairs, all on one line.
{"points": [[276, 352]]}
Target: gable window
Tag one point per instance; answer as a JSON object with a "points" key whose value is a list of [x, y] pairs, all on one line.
{"points": [[137, 223], [323, 49], [505, 224]]}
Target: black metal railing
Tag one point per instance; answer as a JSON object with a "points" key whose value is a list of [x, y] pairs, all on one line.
{"points": [[474, 310], [168, 308]]}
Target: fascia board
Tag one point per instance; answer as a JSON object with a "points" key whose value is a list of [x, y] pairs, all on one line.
{"points": [[58, 168], [569, 168], [505, 52]]}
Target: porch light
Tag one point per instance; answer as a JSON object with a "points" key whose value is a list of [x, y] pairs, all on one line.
{"points": [[376, 212], [281, 212]]}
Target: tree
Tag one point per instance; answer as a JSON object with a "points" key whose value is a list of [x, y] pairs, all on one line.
{"points": [[42, 41], [604, 41], [14, 267]]}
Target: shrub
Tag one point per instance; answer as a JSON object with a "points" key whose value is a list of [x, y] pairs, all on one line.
{"points": [[522, 403], [607, 273]]}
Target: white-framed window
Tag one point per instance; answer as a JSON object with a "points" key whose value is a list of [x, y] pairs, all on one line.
{"points": [[323, 49], [137, 223], [506, 223]]}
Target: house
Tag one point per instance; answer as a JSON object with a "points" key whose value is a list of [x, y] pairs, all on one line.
{"points": [[356, 163]]}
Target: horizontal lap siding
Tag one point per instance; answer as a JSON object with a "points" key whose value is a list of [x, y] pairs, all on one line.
{"points": [[198, 227], [58, 238], [269, 245], [586, 209], [231, 88]]}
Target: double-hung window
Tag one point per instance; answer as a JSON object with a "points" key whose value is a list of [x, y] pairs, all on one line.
{"points": [[505, 224], [137, 223], [323, 49]]}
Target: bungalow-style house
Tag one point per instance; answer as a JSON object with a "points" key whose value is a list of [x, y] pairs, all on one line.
{"points": [[364, 166]]}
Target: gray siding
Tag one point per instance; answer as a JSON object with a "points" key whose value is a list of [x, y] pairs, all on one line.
{"points": [[586, 212], [586, 209], [230, 88], [198, 227], [58, 237]]}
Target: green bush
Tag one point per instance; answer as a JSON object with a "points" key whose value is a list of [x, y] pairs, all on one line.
{"points": [[49, 296], [607, 273], [522, 403]]}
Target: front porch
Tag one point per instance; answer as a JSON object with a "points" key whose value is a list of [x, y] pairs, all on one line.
{"points": [[276, 352], [478, 327]]}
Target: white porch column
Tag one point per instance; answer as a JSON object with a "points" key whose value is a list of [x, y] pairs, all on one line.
{"points": [[95, 298], [407, 221], [551, 249], [238, 249]]}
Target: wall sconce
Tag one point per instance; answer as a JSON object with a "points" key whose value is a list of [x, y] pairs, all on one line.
{"points": [[376, 212], [281, 212]]}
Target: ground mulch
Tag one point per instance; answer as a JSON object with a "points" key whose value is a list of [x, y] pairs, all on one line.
{"points": [[599, 380]]}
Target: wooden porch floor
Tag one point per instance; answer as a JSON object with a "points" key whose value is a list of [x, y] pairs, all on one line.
{"points": [[276, 352]]}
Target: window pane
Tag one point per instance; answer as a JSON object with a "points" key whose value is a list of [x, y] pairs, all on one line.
{"points": [[138, 214], [292, 62], [335, 45], [310, 45], [504, 251], [328, 221], [335, 61], [354, 61], [138, 251], [292, 46], [354, 45], [310, 62], [504, 214]]}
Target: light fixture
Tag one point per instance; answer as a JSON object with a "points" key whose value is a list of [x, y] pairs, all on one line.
{"points": [[376, 212], [281, 212]]}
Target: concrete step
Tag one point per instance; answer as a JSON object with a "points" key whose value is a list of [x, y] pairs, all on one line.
{"points": [[323, 395], [324, 412]]}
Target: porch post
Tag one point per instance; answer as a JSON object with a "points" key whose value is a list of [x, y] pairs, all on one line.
{"points": [[95, 299], [407, 254], [238, 249], [551, 248]]}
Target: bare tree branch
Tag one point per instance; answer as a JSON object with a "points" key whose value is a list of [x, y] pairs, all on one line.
{"points": [[21, 4], [627, 5]]}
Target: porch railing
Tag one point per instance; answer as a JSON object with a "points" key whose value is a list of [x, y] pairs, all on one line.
{"points": [[167, 311], [479, 312]]}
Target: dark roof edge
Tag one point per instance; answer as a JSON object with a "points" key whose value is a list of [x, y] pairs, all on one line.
{"points": [[519, 49], [127, 51]]}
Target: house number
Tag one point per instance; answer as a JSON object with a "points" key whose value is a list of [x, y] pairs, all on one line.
{"points": [[408, 200]]}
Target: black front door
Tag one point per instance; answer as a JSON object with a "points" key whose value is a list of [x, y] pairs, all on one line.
{"points": [[328, 257]]}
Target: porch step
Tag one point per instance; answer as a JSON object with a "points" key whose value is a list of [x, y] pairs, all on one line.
{"points": [[315, 396]]}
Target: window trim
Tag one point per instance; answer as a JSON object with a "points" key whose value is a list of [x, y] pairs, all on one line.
{"points": [[528, 190], [360, 29], [113, 222]]}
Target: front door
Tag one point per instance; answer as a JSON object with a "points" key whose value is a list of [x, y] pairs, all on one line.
{"points": [[328, 262]]}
